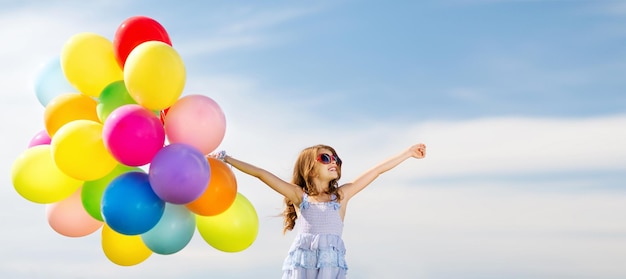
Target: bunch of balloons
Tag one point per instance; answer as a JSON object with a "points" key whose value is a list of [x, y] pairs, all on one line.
{"points": [[123, 151]]}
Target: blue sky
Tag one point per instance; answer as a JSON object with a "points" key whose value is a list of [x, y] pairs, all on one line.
{"points": [[521, 104]]}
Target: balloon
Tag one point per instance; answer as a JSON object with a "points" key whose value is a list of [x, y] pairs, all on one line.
{"points": [[173, 232], [78, 150], [155, 75], [124, 250], [196, 120], [113, 96], [69, 218], [89, 63], [68, 107], [129, 205], [39, 139], [179, 173], [133, 135], [232, 231], [221, 192], [93, 190], [51, 82], [37, 179], [134, 31]]}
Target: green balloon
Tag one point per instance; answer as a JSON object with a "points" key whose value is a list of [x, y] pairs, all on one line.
{"points": [[93, 190], [113, 96]]}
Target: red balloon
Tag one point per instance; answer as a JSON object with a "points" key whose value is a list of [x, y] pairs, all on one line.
{"points": [[135, 31], [162, 115]]}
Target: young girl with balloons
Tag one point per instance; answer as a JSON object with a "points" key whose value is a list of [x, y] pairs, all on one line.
{"points": [[315, 197]]}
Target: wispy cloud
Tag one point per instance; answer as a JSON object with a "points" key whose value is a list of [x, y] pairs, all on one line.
{"points": [[247, 27], [259, 20], [614, 8]]}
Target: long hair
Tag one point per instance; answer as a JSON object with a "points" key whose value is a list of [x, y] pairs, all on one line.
{"points": [[303, 173]]}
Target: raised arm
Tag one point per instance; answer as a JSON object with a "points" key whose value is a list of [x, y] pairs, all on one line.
{"points": [[350, 189], [290, 191]]}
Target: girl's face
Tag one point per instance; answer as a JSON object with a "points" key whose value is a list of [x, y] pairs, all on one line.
{"points": [[327, 165]]}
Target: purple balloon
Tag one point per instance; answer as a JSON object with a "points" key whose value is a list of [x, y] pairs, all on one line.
{"points": [[179, 173], [40, 138]]}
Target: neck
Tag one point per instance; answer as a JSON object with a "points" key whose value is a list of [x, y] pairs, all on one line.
{"points": [[321, 185]]}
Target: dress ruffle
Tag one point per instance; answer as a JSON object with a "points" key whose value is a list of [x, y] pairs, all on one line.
{"points": [[316, 251]]}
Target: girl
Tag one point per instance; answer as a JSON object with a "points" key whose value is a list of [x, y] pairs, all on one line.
{"points": [[315, 198]]}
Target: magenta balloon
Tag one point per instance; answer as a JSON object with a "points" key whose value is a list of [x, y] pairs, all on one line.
{"points": [[40, 138], [196, 120], [179, 173], [133, 135]]}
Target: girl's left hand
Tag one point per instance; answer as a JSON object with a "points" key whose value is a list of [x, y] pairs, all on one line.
{"points": [[418, 151]]}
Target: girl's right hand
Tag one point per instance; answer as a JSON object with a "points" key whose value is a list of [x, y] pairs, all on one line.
{"points": [[220, 155]]}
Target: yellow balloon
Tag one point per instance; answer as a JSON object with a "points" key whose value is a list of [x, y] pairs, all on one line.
{"points": [[233, 230], [36, 177], [68, 107], [79, 151], [89, 64], [155, 75], [124, 250]]}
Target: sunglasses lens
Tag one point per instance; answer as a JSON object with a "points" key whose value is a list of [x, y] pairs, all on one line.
{"points": [[325, 158], [338, 161]]}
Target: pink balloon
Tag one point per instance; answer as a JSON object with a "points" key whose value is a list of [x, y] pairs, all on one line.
{"points": [[196, 120], [133, 135], [41, 138], [69, 218]]}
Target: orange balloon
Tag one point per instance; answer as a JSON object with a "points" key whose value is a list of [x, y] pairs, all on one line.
{"points": [[219, 194], [69, 107]]}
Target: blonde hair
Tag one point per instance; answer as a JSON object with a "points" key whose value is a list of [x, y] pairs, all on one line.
{"points": [[303, 173]]}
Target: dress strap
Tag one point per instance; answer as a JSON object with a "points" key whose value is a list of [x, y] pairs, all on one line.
{"points": [[334, 202], [305, 201]]}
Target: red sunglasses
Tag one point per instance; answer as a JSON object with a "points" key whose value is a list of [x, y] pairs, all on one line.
{"points": [[327, 159]]}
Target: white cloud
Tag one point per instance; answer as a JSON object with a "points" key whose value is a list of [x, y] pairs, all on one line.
{"points": [[500, 231], [524, 145]]}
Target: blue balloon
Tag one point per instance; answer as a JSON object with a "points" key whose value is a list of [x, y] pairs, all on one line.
{"points": [[173, 232], [50, 82], [129, 206]]}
